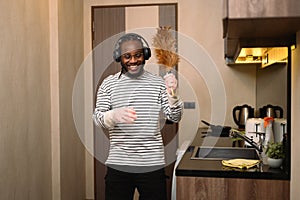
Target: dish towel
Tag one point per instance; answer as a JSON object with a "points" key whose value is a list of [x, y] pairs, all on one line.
{"points": [[240, 163]]}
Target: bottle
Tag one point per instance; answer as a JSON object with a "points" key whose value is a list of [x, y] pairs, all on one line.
{"points": [[269, 137], [268, 122]]}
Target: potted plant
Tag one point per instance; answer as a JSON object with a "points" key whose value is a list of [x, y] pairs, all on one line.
{"points": [[275, 154]]}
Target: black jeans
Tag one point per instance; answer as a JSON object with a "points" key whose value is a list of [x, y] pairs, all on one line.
{"points": [[121, 185]]}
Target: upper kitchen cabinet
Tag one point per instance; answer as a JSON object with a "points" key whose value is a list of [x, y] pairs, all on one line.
{"points": [[259, 23]]}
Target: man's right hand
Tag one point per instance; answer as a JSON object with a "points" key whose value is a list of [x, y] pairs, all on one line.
{"points": [[125, 115]]}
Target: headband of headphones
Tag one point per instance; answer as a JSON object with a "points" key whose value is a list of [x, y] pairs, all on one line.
{"points": [[131, 36]]}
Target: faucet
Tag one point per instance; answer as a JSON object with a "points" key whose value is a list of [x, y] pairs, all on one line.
{"points": [[258, 146]]}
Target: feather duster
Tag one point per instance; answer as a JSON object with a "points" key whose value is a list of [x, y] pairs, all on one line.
{"points": [[165, 47]]}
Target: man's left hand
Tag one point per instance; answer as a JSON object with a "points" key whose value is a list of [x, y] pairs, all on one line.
{"points": [[171, 83]]}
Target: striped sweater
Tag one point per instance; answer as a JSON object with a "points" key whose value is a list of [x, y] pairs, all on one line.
{"points": [[140, 143]]}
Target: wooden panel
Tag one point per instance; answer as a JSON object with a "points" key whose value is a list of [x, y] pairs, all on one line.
{"points": [[107, 21], [168, 16], [262, 8], [193, 188], [261, 27], [259, 24], [266, 23]]}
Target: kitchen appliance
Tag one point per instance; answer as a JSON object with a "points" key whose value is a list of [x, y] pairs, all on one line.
{"points": [[254, 125], [241, 114], [279, 128], [271, 111], [217, 130]]}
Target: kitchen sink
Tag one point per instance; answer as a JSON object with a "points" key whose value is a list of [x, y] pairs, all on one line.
{"points": [[224, 153]]}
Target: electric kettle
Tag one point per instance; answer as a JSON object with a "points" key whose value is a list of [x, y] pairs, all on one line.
{"points": [[241, 114], [271, 111]]}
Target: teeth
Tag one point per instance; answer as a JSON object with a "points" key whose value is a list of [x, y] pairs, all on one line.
{"points": [[133, 67]]}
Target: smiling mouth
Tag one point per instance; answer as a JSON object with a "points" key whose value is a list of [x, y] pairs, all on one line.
{"points": [[133, 68]]}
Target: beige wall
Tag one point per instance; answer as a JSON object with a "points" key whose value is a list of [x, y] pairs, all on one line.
{"points": [[70, 54], [295, 136], [41, 50], [202, 21], [25, 126]]}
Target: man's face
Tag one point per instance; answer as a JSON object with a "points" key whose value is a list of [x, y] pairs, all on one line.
{"points": [[132, 57]]}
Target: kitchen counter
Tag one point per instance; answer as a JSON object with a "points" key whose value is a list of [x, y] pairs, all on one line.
{"points": [[214, 168]]}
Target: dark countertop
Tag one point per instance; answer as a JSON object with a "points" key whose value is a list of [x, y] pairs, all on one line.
{"points": [[214, 168]]}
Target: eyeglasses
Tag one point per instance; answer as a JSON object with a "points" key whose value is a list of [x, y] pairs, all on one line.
{"points": [[137, 55]]}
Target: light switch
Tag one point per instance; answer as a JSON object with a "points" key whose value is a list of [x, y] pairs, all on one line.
{"points": [[189, 105]]}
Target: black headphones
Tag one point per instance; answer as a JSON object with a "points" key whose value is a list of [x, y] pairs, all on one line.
{"points": [[131, 36]]}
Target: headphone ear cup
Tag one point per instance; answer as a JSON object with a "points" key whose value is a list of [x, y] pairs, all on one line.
{"points": [[116, 55], [147, 53]]}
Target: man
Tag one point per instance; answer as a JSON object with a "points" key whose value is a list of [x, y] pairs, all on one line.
{"points": [[128, 105]]}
